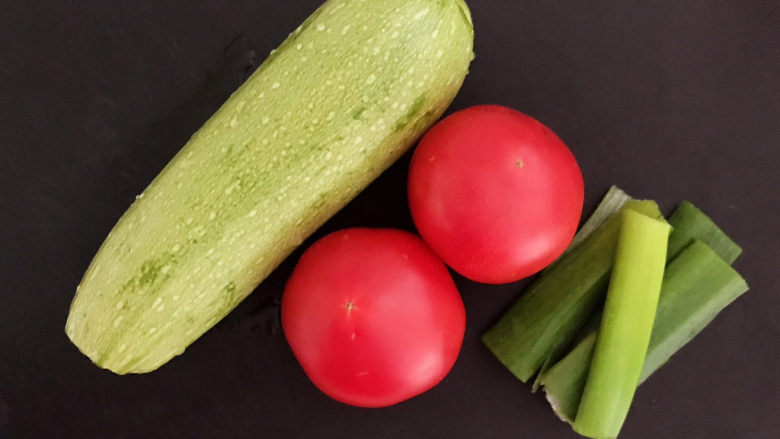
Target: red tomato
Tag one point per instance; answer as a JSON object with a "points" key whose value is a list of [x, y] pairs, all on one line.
{"points": [[373, 316], [495, 193]]}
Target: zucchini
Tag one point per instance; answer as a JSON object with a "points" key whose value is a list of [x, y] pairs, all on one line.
{"points": [[342, 98]]}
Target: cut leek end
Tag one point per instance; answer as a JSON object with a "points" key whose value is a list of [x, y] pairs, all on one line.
{"points": [[564, 382], [513, 361], [690, 223]]}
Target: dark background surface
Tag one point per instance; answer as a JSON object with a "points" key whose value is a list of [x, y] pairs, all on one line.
{"points": [[669, 100]]}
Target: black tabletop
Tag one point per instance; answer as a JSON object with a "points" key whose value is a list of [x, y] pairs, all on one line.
{"points": [[669, 100]]}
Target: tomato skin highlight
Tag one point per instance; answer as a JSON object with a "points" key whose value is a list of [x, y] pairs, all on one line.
{"points": [[373, 316], [495, 193]]}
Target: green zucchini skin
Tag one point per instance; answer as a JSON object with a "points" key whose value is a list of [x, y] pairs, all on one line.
{"points": [[340, 100]]}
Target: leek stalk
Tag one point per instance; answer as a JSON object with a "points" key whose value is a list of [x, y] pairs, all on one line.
{"points": [[550, 314], [698, 284], [626, 325]]}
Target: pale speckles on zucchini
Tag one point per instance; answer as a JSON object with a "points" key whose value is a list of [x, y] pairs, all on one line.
{"points": [[341, 99], [411, 114]]}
